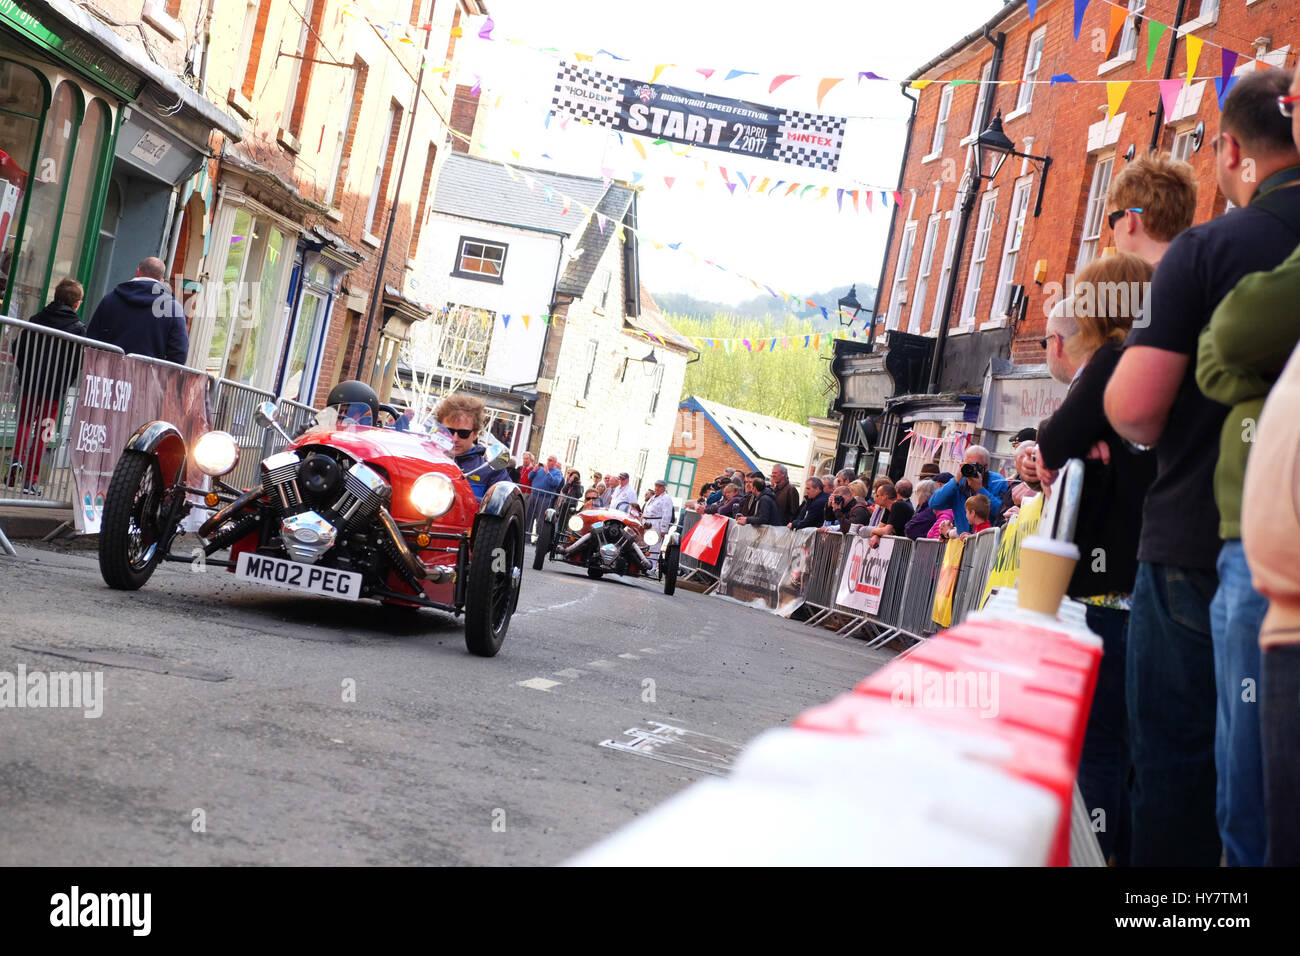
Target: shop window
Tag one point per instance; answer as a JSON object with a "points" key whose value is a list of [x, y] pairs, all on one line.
{"points": [[229, 299], [22, 100], [78, 204], [46, 183], [308, 335], [253, 340]]}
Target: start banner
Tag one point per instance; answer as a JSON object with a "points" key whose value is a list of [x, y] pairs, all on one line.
{"points": [[863, 581], [118, 394], [766, 567], [700, 119]]}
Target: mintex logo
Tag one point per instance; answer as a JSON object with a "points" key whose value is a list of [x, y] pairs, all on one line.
{"points": [[102, 909]]}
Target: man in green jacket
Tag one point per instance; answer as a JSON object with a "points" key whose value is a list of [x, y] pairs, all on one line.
{"points": [[1240, 355]]}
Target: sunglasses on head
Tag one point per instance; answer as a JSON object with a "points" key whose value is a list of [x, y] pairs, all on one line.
{"points": [[1118, 214], [1286, 103]]}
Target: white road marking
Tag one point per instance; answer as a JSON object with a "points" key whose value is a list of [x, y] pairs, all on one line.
{"points": [[650, 650], [569, 673], [539, 683], [601, 663], [556, 607], [629, 657]]}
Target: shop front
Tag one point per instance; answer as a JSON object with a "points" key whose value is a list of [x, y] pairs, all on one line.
{"points": [[86, 153], [1015, 397]]}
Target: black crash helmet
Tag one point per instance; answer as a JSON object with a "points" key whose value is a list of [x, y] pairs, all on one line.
{"points": [[356, 402]]}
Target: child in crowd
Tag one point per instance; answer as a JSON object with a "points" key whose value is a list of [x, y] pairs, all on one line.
{"points": [[977, 513]]}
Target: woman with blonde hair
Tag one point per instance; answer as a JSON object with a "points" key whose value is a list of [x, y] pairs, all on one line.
{"points": [[1084, 343]]}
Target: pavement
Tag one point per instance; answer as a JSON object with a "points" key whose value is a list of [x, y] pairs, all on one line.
{"points": [[243, 725]]}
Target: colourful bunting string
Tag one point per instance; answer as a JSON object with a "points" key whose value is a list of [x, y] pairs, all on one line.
{"points": [[783, 78], [1154, 32], [1194, 45], [1080, 7], [825, 86], [1169, 90], [1114, 96]]}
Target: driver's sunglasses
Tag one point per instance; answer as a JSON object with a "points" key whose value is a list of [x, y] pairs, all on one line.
{"points": [[1286, 103], [460, 432], [1118, 214]]}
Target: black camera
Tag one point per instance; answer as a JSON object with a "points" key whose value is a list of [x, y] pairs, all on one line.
{"points": [[972, 470]]}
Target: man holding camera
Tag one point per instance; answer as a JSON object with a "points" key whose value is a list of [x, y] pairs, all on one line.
{"points": [[975, 479]]}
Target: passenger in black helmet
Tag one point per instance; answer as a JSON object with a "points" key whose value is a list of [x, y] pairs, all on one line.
{"points": [[355, 403]]}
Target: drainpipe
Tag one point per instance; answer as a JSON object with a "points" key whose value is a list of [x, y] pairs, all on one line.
{"points": [[967, 207], [1169, 70]]}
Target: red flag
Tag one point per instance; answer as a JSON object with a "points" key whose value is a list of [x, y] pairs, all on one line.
{"points": [[704, 541]]}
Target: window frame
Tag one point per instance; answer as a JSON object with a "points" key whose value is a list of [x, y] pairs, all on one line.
{"points": [[904, 265], [1025, 99], [656, 389], [1020, 195], [1185, 135], [642, 459], [593, 348], [469, 312], [1094, 212], [941, 122], [979, 259], [682, 461], [949, 259], [981, 98], [460, 273], [378, 191], [1128, 37], [923, 270]]}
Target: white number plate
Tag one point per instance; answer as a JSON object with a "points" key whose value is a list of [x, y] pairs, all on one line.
{"points": [[293, 576]]}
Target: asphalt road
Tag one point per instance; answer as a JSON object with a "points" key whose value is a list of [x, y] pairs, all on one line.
{"points": [[226, 738]]}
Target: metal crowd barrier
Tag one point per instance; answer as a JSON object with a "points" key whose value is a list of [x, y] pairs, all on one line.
{"points": [[233, 406], [976, 559], [891, 596], [40, 378], [917, 603], [823, 577], [294, 416]]}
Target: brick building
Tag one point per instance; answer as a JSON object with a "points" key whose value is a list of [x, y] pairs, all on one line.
{"points": [[709, 437], [254, 146], [991, 289]]}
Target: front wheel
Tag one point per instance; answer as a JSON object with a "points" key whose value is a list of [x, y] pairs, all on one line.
{"points": [[131, 531], [542, 547], [595, 573], [668, 562], [495, 570]]}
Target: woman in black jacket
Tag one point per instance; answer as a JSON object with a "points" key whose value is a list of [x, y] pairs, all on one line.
{"points": [[48, 365], [856, 510], [1084, 350]]}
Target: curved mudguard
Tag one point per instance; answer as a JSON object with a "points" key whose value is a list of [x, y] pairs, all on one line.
{"points": [[670, 538], [162, 440], [500, 498]]}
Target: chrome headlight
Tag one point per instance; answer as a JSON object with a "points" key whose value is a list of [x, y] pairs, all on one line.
{"points": [[651, 537], [433, 494], [575, 524], [216, 454]]}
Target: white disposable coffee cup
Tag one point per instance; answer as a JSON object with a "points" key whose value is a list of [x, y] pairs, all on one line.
{"points": [[1046, 566]]}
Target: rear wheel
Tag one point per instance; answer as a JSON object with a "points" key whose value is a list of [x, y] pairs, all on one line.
{"points": [[668, 568], [542, 547], [595, 573], [131, 532], [495, 570]]}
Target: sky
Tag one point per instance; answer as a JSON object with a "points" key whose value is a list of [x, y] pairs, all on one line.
{"points": [[796, 245]]}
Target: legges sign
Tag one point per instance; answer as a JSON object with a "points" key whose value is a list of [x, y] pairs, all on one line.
{"points": [[700, 119]]}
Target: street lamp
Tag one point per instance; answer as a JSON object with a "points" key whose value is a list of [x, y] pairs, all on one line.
{"points": [[850, 301], [992, 148]]}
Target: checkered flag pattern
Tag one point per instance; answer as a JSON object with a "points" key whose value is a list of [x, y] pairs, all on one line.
{"points": [[587, 94], [797, 140]]}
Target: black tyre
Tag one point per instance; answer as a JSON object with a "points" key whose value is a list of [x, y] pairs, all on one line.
{"points": [[131, 532], [542, 547], [668, 562], [595, 573], [495, 570]]}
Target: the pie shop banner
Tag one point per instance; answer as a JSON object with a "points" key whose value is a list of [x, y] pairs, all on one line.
{"points": [[677, 115]]}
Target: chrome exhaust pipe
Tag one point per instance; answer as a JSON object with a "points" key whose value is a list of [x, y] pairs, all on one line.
{"points": [[412, 563], [572, 549]]}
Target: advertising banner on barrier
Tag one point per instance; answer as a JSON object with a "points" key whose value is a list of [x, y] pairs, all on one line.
{"points": [[946, 589], [863, 580], [759, 569], [1006, 566], [704, 541], [118, 394], [744, 129]]}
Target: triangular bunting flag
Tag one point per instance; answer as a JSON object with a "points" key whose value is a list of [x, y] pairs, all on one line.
{"points": [[669, 180], [505, 320], [1033, 7], [636, 143], [1154, 32], [869, 75], [825, 86], [920, 84], [817, 341], [793, 187], [825, 315], [898, 197], [749, 346], [1118, 16], [839, 200], [1115, 90], [1222, 88], [600, 222], [806, 340], [1079, 7], [1061, 78], [783, 78], [732, 74], [866, 195], [654, 78], [525, 318], [854, 194], [486, 32], [1228, 61], [1194, 44], [743, 181], [1169, 90], [707, 74]]}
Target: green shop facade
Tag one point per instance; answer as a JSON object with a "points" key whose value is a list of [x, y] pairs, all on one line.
{"points": [[100, 153]]}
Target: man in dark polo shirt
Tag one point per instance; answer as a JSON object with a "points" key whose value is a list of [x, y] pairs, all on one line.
{"points": [[1152, 399]]}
